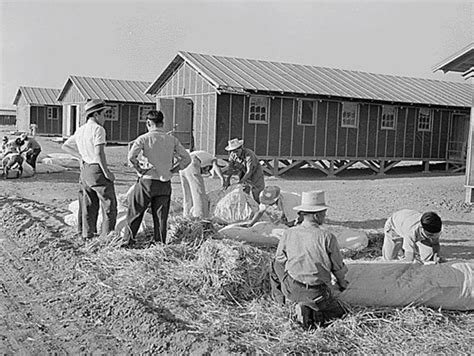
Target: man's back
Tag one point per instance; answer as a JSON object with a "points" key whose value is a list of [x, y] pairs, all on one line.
{"points": [[405, 222]]}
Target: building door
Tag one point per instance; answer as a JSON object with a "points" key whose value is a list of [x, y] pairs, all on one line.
{"points": [[178, 113], [72, 122], [457, 146]]}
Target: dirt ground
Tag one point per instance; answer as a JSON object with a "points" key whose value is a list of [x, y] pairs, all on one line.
{"points": [[358, 199]]}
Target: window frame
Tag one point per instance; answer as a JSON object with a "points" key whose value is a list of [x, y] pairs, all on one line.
{"points": [[395, 118], [357, 109], [429, 123], [51, 109], [299, 119], [142, 115], [267, 110], [116, 111]]}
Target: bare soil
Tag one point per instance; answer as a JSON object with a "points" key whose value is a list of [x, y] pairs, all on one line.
{"points": [[46, 311]]}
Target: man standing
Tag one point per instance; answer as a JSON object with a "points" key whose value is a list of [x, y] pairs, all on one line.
{"points": [[195, 200], [415, 233], [154, 183], [305, 258], [244, 163], [96, 180], [32, 149]]}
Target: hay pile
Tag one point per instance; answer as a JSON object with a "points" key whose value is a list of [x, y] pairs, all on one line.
{"points": [[200, 294]]}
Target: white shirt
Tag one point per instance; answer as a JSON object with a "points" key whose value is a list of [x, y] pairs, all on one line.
{"points": [[86, 137]]}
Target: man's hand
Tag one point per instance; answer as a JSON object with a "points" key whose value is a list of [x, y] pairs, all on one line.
{"points": [[109, 175], [175, 168], [226, 183]]}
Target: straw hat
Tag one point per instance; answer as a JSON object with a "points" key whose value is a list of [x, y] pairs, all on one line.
{"points": [[234, 144], [95, 105], [312, 202], [269, 195]]}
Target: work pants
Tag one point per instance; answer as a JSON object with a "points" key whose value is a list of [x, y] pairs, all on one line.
{"points": [[32, 156], [96, 192], [195, 201], [318, 298], [393, 244], [257, 184], [149, 192]]}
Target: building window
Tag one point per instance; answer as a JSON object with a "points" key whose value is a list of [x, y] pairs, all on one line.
{"points": [[53, 113], [143, 110], [389, 117], [306, 109], [424, 119], [112, 114], [350, 114], [258, 110]]}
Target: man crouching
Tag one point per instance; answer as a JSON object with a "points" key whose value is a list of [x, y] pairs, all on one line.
{"points": [[305, 258]]}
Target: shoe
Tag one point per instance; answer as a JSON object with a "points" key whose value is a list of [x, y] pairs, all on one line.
{"points": [[304, 315]]}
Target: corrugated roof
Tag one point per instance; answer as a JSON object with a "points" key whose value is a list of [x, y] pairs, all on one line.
{"points": [[109, 89], [38, 96], [461, 61], [229, 74]]}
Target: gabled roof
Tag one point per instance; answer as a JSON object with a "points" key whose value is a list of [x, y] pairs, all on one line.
{"points": [[239, 75], [108, 89], [37, 96], [461, 61]]}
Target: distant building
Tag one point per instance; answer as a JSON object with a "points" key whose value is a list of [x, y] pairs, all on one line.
{"points": [[129, 105], [463, 63], [292, 114], [7, 116], [38, 106]]}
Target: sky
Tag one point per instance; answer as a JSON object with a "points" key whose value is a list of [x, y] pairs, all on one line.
{"points": [[42, 42]]}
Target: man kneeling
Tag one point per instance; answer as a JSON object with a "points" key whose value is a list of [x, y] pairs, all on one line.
{"points": [[305, 258]]}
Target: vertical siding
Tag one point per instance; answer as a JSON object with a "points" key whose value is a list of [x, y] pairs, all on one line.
{"points": [[321, 126], [72, 95], [362, 135]]}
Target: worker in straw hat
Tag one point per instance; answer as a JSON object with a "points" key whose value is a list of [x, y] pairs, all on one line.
{"points": [[415, 233], [244, 163], [96, 180], [305, 259]]}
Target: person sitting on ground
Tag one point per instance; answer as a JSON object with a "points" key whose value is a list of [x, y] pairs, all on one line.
{"points": [[195, 200], [271, 206], [4, 146], [244, 163], [32, 149], [12, 158], [305, 258], [415, 233]]}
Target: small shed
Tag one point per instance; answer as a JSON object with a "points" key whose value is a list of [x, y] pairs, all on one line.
{"points": [[293, 114], [463, 62], [38, 106], [129, 105], [7, 116]]}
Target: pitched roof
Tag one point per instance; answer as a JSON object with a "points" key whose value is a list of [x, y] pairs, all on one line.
{"points": [[239, 75], [461, 61], [37, 96], [108, 89]]}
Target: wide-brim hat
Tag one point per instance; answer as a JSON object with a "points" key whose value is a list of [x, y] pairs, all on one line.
{"points": [[312, 202], [269, 195], [95, 105], [234, 144]]}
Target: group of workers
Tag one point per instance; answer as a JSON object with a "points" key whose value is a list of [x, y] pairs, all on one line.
{"points": [[17, 150], [307, 256]]}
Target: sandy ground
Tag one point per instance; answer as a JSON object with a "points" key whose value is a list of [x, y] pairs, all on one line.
{"points": [[358, 199]]}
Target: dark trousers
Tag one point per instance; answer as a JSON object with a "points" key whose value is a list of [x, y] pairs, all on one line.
{"points": [[157, 195], [318, 300], [96, 191], [32, 156]]}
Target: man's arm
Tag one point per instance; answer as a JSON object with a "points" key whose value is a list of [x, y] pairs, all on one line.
{"points": [[339, 269], [184, 158], [218, 171], [99, 151], [70, 147], [133, 153]]}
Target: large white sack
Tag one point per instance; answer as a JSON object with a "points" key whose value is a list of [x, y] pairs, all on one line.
{"points": [[235, 206], [289, 201], [446, 285], [263, 232], [350, 239], [28, 171], [49, 168], [61, 159]]}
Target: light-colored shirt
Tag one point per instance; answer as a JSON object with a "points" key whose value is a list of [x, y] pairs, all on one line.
{"points": [[86, 138], [159, 149], [406, 224], [310, 254], [247, 166], [204, 157]]}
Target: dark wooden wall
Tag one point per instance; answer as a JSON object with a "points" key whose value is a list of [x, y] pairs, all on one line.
{"points": [[39, 115], [7, 119], [283, 137], [127, 128], [187, 83]]}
